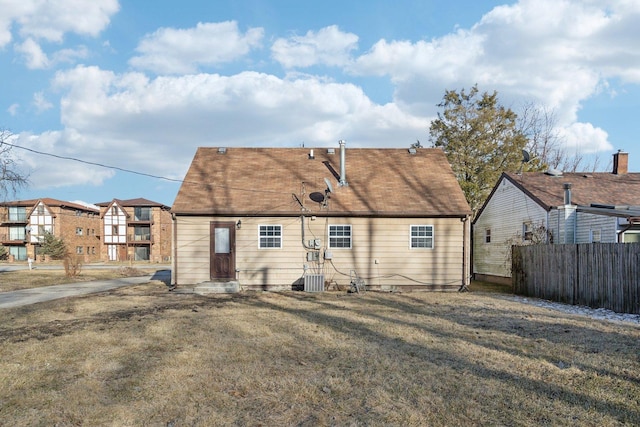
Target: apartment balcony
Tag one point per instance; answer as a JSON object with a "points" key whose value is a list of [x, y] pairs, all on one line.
{"points": [[20, 219], [10, 240], [139, 239], [141, 220]]}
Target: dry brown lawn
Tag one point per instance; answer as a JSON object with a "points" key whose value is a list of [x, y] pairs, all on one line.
{"points": [[143, 356], [27, 279]]}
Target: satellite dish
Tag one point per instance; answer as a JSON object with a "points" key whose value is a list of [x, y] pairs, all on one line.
{"points": [[317, 197], [329, 186], [525, 156]]}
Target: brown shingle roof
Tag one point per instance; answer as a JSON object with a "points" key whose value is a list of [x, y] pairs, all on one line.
{"points": [[586, 188], [49, 202], [133, 203], [263, 181]]}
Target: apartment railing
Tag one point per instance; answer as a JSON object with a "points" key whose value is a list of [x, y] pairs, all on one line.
{"points": [[140, 238], [16, 218]]}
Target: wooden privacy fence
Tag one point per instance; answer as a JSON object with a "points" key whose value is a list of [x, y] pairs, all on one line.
{"points": [[598, 275]]}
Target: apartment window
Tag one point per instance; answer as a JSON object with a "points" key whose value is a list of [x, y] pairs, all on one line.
{"points": [[17, 233], [40, 209], [142, 233], [487, 235], [270, 236], [114, 230], [17, 213], [19, 252], [78, 231], [142, 213], [114, 210], [595, 236], [79, 250], [422, 236], [78, 213], [340, 236]]}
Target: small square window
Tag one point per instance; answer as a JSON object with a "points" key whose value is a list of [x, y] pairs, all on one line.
{"points": [[78, 231], [270, 237], [595, 236], [340, 236], [79, 250], [422, 236], [527, 231]]}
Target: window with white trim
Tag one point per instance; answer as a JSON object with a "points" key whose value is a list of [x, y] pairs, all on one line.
{"points": [[270, 237], [340, 236], [527, 231], [422, 237], [595, 236]]}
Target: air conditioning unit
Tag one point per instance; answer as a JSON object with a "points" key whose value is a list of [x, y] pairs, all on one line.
{"points": [[314, 282]]}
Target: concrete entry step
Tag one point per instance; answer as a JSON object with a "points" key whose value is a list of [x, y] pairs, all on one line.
{"points": [[217, 288]]}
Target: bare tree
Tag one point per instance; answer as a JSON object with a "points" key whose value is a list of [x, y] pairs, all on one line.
{"points": [[544, 143], [11, 178]]}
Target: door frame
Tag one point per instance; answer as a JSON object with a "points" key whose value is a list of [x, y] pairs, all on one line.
{"points": [[231, 226]]}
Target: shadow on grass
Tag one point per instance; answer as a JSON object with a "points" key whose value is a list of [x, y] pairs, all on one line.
{"points": [[397, 348]]}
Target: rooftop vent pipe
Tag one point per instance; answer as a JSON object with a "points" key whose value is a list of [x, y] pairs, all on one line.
{"points": [[343, 174], [567, 194]]}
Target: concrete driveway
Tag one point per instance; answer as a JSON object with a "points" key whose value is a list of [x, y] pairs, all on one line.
{"points": [[48, 293]]}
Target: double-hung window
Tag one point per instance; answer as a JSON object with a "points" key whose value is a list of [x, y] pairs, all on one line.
{"points": [[270, 237], [422, 237], [340, 236]]}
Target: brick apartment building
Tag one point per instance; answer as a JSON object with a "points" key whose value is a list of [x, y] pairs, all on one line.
{"points": [[23, 224], [135, 229]]}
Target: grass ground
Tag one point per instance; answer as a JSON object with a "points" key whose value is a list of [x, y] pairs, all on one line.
{"points": [[26, 279], [145, 356]]}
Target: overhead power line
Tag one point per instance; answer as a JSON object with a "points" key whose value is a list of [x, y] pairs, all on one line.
{"points": [[91, 163], [102, 165]]}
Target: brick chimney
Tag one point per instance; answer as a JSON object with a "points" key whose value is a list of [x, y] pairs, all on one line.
{"points": [[620, 163]]}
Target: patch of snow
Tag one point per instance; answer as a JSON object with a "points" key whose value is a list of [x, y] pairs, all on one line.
{"points": [[594, 313], [85, 204]]}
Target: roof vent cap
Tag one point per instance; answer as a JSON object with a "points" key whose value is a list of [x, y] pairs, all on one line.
{"points": [[554, 172]]}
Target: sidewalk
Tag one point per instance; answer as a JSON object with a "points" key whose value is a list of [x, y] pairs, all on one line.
{"points": [[49, 293]]}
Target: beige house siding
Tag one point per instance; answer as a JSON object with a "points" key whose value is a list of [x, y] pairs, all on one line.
{"points": [[380, 253]]}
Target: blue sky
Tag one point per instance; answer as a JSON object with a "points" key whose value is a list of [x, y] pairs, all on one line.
{"points": [[141, 86]]}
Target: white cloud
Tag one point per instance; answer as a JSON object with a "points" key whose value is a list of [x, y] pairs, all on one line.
{"points": [[174, 51], [41, 103], [13, 109], [50, 20], [584, 138], [329, 46], [51, 172], [160, 122], [38, 21], [555, 52], [34, 57]]}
